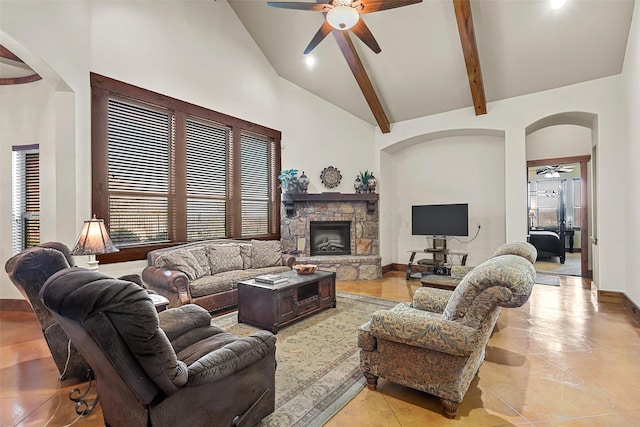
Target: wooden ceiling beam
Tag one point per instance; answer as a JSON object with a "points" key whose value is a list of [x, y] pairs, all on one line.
{"points": [[470, 51], [6, 53], [355, 64]]}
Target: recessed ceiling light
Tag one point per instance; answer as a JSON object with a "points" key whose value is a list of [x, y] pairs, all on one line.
{"points": [[557, 4], [310, 61]]}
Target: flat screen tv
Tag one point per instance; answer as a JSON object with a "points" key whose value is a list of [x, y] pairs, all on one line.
{"points": [[440, 220]]}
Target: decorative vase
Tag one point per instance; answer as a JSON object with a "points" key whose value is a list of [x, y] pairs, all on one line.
{"points": [[303, 181], [372, 184], [358, 185]]}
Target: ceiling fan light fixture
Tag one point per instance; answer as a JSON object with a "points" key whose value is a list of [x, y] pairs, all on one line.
{"points": [[343, 17]]}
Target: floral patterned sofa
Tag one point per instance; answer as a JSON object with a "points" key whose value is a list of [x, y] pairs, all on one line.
{"points": [[437, 343], [206, 273]]}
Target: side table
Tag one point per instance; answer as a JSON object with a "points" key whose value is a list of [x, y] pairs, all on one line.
{"points": [[159, 301]]}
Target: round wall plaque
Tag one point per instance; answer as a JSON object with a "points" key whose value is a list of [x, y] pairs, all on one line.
{"points": [[330, 177]]}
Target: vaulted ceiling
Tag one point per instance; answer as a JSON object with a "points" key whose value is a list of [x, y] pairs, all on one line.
{"points": [[428, 64]]}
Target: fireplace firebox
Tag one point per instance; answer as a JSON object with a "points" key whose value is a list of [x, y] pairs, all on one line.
{"points": [[330, 237]]}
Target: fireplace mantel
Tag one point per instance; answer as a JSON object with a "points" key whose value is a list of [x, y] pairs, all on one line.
{"points": [[290, 199]]}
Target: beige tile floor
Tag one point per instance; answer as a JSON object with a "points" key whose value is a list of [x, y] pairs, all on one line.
{"points": [[560, 360]]}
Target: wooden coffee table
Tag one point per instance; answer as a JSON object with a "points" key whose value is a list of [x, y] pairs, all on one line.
{"points": [[274, 306]]}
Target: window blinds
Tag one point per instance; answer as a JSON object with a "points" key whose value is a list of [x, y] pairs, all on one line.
{"points": [[139, 169], [25, 198]]}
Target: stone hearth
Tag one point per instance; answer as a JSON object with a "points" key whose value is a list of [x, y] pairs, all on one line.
{"points": [[364, 262]]}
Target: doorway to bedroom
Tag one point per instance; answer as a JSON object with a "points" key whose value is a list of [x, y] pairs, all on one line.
{"points": [[558, 214]]}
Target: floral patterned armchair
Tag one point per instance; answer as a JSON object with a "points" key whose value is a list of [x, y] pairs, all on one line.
{"points": [[513, 248], [437, 343]]}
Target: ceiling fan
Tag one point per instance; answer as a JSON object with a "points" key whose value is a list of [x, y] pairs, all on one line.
{"points": [[344, 15], [553, 171]]}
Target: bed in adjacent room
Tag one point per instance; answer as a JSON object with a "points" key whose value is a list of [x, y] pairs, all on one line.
{"points": [[548, 244]]}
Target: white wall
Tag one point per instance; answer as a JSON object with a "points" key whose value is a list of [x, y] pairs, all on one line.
{"points": [[309, 145], [427, 173], [198, 52], [631, 103], [27, 121], [559, 141], [512, 117], [53, 38]]}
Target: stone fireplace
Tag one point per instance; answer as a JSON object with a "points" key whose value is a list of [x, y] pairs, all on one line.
{"points": [[330, 237], [338, 232]]}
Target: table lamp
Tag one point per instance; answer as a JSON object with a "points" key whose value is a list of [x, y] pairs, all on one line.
{"points": [[94, 240]]}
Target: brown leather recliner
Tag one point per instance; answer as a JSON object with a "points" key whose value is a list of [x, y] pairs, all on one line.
{"points": [[28, 271], [166, 369]]}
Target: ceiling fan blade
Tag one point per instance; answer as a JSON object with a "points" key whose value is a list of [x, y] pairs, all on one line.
{"points": [[316, 7], [362, 31], [320, 35], [370, 6]]}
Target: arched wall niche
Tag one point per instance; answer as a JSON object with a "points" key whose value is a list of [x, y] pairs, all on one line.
{"points": [[439, 168], [426, 137]]}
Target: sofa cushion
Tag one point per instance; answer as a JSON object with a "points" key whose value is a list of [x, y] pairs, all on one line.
{"points": [[208, 285], [224, 258], [266, 253], [182, 260]]}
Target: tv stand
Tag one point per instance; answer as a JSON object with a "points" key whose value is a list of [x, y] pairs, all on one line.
{"points": [[439, 257]]}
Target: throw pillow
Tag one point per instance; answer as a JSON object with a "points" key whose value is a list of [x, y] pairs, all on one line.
{"points": [[266, 253], [181, 260], [246, 254], [224, 258], [200, 254]]}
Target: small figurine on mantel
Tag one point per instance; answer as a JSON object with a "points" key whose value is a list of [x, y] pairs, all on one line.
{"points": [[365, 183]]}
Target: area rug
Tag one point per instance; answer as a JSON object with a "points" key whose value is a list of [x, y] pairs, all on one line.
{"points": [[318, 360], [571, 266], [547, 279]]}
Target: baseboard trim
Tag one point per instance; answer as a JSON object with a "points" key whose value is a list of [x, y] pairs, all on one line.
{"points": [[611, 297], [633, 309], [19, 305], [414, 268], [388, 268]]}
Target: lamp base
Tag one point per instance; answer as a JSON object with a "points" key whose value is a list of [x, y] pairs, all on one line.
{"points": [[92, 264]]}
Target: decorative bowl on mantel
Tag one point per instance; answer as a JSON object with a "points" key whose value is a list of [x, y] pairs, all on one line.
{"points": [[305, 268]]}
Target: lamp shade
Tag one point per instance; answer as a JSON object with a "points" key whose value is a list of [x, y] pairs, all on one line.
{"points": [[94, 239], [343, 17]]}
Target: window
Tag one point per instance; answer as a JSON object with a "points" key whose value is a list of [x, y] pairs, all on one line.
{"points": [[166, 171], [25, 164], [575, 217]]}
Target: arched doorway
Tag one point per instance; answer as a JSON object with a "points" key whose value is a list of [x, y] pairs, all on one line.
{"points": [[559, 204], [558, 167]]}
